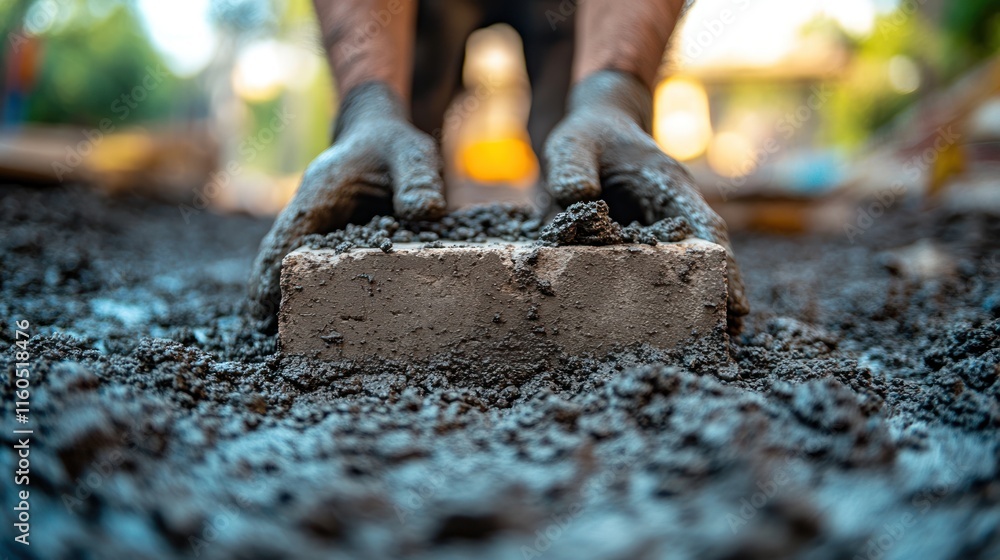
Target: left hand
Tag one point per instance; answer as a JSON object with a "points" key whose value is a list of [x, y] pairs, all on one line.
{"points": [[603, 149]]}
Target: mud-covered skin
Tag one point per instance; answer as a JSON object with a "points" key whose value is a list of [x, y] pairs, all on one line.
{"points": [[378, 164], [861, 416], [603, 149]]}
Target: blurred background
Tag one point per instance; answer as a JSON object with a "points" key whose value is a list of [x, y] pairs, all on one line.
{"points": [[788, 112]]}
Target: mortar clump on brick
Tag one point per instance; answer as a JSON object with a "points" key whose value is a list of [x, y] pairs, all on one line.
{"points": [[590, 223], [583, 223]]}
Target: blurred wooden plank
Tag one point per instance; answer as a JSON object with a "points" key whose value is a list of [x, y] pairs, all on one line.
{"points": [[42, 155], [166, 162]]}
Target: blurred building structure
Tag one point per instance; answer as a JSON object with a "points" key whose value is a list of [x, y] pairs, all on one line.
{"points": [[777, 101]]}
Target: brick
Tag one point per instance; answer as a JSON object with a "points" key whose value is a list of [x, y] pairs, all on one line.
{"points": [[502, 301]]}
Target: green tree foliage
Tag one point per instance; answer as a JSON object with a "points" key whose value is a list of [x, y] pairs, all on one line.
{"points": [[943, 49], [973, 26], [90, 59]]}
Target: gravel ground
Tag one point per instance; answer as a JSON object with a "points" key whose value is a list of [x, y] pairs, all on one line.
{"points": [[860, 420]]}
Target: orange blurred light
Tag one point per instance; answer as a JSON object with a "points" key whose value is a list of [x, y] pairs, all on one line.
{"points": [[499, 160], [124, 151], [491, 140]]}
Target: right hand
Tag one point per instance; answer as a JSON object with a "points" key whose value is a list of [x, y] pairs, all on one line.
{"points": [[377, 156], [603, 149]]}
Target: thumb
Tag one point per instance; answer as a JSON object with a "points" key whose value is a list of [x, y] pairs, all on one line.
{"points": [[417, 188], [319, 205], [572, 173]]}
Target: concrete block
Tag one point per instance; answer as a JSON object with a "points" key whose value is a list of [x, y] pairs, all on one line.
{"points": [[503, 301]]}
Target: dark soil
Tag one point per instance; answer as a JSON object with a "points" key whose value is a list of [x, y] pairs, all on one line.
{"points": [[860, 419]]}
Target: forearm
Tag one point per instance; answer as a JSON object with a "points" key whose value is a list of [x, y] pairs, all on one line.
{"points": [[369, 40], [625, 35]]}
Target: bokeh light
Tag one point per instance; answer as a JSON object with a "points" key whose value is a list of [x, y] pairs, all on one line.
{"points": [[266, 68], [681, 123], [731, 154], [492, 145], [904, 75], [740, 75], [498, 160], [180, 30]]}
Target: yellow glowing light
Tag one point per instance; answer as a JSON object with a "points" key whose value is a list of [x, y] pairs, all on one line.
{"points": [[124, 151], [261, 71], [491, 138], [499, 160], [493, 55], [731, 154], [681, 123], [496, 58]]}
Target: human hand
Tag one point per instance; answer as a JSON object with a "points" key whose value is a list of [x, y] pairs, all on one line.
{"points": [[603, 149], [379, 164]]}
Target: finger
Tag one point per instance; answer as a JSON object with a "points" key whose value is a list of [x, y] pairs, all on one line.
{"points": [[737, 304], [572, 161], [665, 188], [418, 191], [670, 191], [265, 285]]}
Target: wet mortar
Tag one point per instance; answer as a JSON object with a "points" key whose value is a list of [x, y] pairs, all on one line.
{"points": [[583, 223], [859, 419]]}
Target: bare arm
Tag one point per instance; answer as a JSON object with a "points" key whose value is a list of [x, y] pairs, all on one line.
{"points": [[369, 40], [625, 35]]}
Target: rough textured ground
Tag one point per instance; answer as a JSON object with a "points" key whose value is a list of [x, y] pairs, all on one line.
{"points": [[860, 419]]}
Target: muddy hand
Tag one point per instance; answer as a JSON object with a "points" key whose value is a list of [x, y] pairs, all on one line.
{"points": [[603, 149], [378, 164]]}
